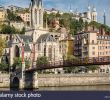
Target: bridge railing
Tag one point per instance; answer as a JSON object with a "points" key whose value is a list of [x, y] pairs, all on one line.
{"points": [[79, 62]]}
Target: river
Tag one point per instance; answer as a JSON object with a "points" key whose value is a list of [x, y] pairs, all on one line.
{"points": [[78, 88], [71, 88]]}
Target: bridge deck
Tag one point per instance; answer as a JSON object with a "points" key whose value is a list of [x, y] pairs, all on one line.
{"points": [[72, 63]]}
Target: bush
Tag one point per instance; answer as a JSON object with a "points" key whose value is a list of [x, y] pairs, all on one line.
{"points": [[42, 61]]}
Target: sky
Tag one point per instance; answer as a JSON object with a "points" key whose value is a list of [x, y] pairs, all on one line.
{"points": [[64, 5]]}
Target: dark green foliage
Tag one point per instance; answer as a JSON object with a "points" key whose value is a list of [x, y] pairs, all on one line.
{"points": [[42, 61], [92, 67], [3, 66], [7, 29], [12, 16], [18, 62]]}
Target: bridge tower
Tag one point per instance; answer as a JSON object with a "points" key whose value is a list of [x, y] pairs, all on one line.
{"points": [[22, 80]]}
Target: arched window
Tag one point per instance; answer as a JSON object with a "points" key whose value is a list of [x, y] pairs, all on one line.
{"points": [[17, 51]]}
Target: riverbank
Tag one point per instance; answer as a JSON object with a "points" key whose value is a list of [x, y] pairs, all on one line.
{"points": [[61, 80], [4, 80]]}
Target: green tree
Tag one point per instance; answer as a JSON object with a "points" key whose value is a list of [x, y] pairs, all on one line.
{"points": [[92, 67], [7, 29], [42, 61], [4, 66], [2, 45], [12, 16], [18, 63]]}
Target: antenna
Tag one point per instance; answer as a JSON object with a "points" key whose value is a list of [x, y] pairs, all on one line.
{"points": [[70, 9], [104, 18]]}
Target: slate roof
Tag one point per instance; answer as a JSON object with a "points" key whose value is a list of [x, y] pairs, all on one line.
{"points": [[26, 38], [8, 44], [45, 37], [27, 48]]}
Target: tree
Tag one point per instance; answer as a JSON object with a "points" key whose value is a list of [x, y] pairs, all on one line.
{"points": [[4, 66], [42, 61], [18, 63], [12, 16], [7, 29], [2, 45], [92, 67]]}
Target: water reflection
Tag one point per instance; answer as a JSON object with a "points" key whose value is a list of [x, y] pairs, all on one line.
{"points": [[71, 88], [78, 88]]}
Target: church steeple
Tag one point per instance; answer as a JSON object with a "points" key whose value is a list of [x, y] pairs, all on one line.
{"points": [[36, 14]]}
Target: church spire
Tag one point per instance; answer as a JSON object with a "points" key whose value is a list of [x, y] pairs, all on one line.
{"points": [[36, 14]]}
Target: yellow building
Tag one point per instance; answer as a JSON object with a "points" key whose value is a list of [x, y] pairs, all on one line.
{"points": [[66, 47], [2, 14]]}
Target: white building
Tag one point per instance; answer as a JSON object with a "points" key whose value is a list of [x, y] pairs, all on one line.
{"points": [[15, 8], [46, 44], [88, 16]]}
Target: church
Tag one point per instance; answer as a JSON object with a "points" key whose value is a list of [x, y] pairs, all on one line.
{"points": [[36, 37]]}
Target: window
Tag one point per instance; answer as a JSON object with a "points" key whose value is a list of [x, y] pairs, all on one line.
{"points": [[92, 41], [93, 53], [93, 47]]}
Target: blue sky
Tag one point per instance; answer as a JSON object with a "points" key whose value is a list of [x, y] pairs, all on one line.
{"points": [[64, 5]]}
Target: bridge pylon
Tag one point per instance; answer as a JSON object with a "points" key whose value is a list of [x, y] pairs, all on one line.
{"points": [[22, 80], [35, 81]]}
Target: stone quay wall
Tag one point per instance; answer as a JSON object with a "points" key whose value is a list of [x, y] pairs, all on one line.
{"points": [[4, 80], [52, 80]]}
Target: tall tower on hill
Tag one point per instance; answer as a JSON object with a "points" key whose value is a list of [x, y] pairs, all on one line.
{"points": [[104, 18], [36, 7]]}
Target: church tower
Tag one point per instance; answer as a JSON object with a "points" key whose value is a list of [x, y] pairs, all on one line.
{"points": [[89, 13], [36, 14], [94, 14]]}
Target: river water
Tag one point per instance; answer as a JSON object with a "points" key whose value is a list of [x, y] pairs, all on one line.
{"points": [[78, 88], [71, 88]]}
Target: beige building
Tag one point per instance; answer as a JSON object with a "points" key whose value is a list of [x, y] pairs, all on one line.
{"points": [[54, 11], [2, 14], [91, 45], [25, 17], [17, 25]]}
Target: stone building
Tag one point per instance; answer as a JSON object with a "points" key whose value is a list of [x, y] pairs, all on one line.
{"points": [[46, 43], [93, 44]]}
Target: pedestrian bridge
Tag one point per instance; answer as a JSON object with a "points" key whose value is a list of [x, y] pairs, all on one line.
{"points": [[72, 63], [27, 78]]}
